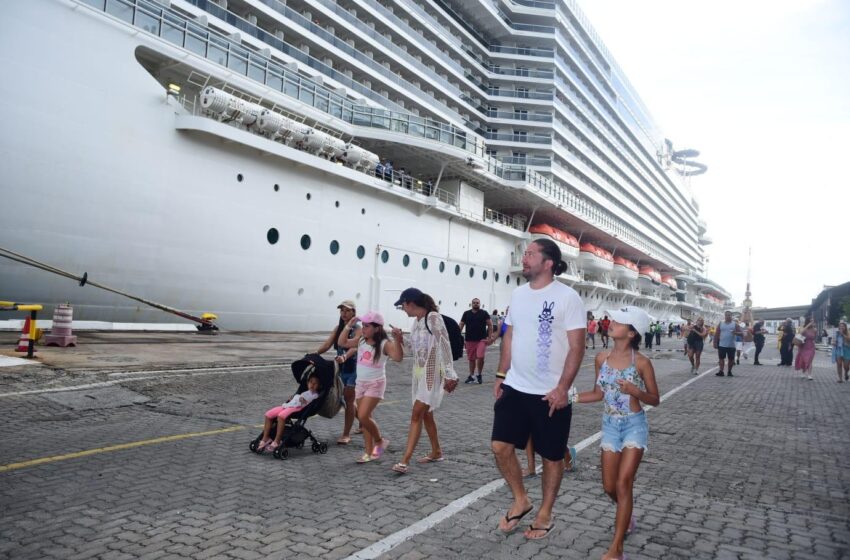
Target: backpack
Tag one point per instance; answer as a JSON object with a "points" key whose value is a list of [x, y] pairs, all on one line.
{"points": [[455, 337]]}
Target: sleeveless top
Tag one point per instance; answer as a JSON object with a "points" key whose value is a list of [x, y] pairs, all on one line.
{"points": [[349, 365], [616, 402]]}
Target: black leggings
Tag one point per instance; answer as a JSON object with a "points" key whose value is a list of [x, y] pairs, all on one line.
{"points": [[786, 351], [759, 340]]}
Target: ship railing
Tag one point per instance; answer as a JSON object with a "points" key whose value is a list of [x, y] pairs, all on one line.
{"points": [[497, 217], [529, 138], [516, 116], [519, 72], [446, 197], [535, 4], [521, 94]]}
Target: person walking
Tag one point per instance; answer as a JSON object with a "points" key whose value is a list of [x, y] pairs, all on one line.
{"points": [[592, 327], [806, 349], [758, 340], [786, 344], [479, 327], [659, 328], [724, 342], [841, 351], [541, 353], [694, 344], [604, 324], [748, 340], [648, 336], [347, 360], [433, 371], [374, 348], [625, 378]]}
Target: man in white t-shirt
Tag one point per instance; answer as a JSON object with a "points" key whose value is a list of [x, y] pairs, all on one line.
{"points": [[542, 350]]}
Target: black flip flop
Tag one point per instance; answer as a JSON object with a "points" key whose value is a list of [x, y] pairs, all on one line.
{"points": [[544, 529], [516, 518]]}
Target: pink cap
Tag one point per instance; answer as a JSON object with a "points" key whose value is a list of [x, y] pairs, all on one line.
{"points": [[372, 317]]}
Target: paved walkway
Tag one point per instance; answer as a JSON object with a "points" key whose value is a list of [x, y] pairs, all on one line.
{"points": [[152, 462]]}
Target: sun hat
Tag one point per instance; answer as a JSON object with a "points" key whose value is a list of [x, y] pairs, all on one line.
{"points": [[372, 317], [347, 303], [631, 315], [410, 294]]}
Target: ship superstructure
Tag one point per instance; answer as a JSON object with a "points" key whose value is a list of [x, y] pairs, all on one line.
{"points": [[262, 159]]}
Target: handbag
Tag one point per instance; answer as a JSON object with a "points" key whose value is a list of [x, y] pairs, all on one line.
{"points": [[799, 340]]}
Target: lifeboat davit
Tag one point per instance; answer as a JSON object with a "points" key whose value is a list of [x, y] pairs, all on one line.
{"points": [[669, 281], [565, 241], [595, 259], [625, 269], [649, 274]]}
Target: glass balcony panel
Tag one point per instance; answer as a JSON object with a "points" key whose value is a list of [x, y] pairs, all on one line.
{"points": [[120, 9]]}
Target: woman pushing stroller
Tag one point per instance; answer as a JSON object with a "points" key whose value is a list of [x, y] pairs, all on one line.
{"points": [[374, 348]]}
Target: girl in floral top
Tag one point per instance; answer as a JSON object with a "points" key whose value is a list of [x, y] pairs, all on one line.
{"points": [[625, 378], [433, 371]]}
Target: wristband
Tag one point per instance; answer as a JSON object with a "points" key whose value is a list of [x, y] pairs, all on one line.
{"points": [[501, 374]]}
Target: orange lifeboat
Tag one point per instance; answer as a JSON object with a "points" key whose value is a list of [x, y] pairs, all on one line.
{"points": [[669, 281], [624, 268], [595, 259], [650, 274], [567, 242]]}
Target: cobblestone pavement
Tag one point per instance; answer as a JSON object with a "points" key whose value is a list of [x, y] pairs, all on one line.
{"points": [[754, 466]]}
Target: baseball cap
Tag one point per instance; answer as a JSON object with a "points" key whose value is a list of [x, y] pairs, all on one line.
{"points": [[631, 315], [410, 294], [372, 317], [347, 303]]}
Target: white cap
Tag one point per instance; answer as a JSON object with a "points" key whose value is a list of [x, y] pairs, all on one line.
{"points": [[630, 315]]}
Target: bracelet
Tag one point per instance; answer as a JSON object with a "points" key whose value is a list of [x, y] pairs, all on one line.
{"points": [[501, 374]]}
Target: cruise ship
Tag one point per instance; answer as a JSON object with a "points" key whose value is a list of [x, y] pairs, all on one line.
{"points": [[264, 159]]}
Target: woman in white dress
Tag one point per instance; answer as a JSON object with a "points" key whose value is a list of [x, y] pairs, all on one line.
{"points": [[433, 371]]}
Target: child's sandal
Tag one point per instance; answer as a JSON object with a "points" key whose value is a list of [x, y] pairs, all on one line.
{"points": [[365, 458], [400, 468]]}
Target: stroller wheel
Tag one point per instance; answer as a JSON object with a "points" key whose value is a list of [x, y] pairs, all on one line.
{"points": [[253, 445], [300, 445], [281, 453], [316, 447], [323, 448]]}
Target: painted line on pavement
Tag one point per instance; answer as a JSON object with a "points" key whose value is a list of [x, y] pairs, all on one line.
{"points": [[391, 541]]}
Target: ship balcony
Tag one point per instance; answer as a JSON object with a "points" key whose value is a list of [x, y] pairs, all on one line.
{"points": [[519, 72], [521, 51], [519, 138], [532, 161], [520, 94], [513, 116]]}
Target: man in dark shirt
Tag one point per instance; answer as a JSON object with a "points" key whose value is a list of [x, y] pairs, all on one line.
{"points": [[478, 329], [758, 338]]}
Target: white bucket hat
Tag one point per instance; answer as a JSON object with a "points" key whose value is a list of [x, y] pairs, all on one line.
{"points": [[630, 315]]}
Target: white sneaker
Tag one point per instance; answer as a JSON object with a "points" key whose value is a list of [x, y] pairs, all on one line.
{"points": [[810, 378]]}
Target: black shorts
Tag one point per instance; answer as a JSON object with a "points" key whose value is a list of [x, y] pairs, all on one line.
{"points": [[696, 344], [520, 415], [723, 352]]}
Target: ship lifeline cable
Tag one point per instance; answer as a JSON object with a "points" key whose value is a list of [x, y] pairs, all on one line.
{"points": [[204, 324]]}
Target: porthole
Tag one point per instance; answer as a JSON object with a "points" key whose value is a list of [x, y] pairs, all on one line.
{"points": [[239, 177], [336, 204], [361, 252], [385, 256], [508, 279], [276, 187], [334, 247], [457, 269], [363, 211], [305, 241], [266, 288], [471, 272], [309, 196], [406, 260], [517, 280], [484, 275], [300, 291], [424, 264], [442, 266], [272, 235], [496, 277]]}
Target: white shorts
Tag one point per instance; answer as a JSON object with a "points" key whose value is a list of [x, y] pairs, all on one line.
{"points": [[739, 346]]}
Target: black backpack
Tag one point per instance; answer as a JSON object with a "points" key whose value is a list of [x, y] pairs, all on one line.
{"points": [[455, 336]]}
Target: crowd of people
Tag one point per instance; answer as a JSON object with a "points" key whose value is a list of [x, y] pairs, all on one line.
{"points": [[544, 334]]}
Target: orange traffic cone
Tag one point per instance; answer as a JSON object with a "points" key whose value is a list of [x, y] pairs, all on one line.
{"points": [[25, 340]]}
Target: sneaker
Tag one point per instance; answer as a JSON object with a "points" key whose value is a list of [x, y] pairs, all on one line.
{"points": [[810, 378], [469, 380], [729, 373], [479, 380], [719, 374]]}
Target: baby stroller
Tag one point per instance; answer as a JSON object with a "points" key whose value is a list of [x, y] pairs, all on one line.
{"points": [[327, 405]]}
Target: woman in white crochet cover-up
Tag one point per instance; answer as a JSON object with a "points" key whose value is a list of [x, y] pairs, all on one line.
{"points": [[433, 371]]}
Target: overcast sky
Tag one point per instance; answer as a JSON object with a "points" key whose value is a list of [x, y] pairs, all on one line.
{"points": [[762, 89]]}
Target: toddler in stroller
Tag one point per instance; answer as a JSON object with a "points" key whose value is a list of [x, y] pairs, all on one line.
{"points": [[318, 393]]}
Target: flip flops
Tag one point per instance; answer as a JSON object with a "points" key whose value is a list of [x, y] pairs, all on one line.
{"points": [[429, 459], [380, 448], [509, 518], [343, 440], [544, 529]]}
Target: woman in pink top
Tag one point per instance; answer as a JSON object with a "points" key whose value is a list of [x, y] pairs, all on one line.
{"points": [[806, 352], [592, 327]]}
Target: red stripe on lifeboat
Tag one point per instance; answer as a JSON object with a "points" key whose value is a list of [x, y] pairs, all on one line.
{"points": [[625, 263], [651, 273], [555, 233]]}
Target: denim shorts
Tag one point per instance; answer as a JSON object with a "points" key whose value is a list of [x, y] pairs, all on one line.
{"points": [[618, 432], [348, 379]]}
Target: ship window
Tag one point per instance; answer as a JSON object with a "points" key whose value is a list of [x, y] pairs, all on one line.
{"points": [[276, 187], [309, 196], [497, 277], [363, 211], [424, 264], [334, 247], [336, 204], [120, 11], [385, 256], [305, 241], [272, 235], [442, 266], [406, 260], [457, 269], [471, 272], [361, 252], [508, 279], [239, 177], [484, 275], [517, 280], [147, 22]]}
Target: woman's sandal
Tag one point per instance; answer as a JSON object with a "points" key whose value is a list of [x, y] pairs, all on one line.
{"points": [[400, 468], [343, 440], [365, 458], [429, 459]]}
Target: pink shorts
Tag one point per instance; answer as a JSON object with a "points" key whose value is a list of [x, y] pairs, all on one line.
{"points": [[475, 349], [374, 388], [282, 413]]}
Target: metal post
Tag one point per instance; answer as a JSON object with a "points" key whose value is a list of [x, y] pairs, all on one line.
{"points": [[31, 345]]}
